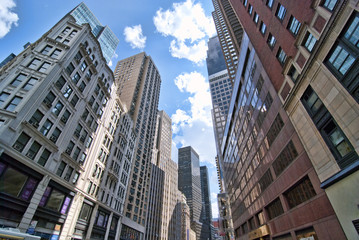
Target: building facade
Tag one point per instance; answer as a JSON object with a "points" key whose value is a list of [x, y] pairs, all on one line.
{"points": [[271, 182], [139, 90], [229, 32], [308, 50], [164, 217], [66, 140], [326, 88], [189, 183], [206, 216], [106, 38]]}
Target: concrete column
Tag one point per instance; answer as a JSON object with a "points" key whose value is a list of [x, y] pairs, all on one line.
{"points": [[34, 203], [72, 216], [119, 228], [108, 225], [92, 221]]}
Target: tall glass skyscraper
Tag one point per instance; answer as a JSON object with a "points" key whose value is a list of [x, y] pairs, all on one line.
{"points": [[107, 39]]}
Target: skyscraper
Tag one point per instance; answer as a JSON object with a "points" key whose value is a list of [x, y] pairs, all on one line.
{"points": [[189, 183], [139, 88], [164, 219], [107, 39], [61, 121], [220, 87], [229, 32], [206, 216]]}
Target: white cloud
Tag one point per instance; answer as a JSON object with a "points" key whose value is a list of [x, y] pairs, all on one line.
{"points": [[189, 26], [7, 17], [194, 126], [134, 36], [110, 63], [215, 209]]}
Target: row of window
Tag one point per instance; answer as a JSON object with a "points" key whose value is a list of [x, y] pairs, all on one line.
{"points": [[299, 193]]}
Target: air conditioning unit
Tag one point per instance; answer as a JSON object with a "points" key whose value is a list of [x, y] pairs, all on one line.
{"points": [[30, 155], [18, 147], [53, 138], [35, 124], [68, 151], [63, 119], [48, 104]]}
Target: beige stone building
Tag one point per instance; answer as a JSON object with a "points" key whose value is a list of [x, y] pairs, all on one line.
{"points": [[323, 104], [66, 141], [139, 89], [164, 219]]}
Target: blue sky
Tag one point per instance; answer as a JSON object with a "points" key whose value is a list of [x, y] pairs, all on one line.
{"points": [[173, 33]]}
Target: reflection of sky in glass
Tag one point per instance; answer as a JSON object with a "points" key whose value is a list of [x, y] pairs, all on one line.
{"points": [[107, 39]]}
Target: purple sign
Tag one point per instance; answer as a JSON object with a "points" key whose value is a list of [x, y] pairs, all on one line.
{"points": [[65, 205]]}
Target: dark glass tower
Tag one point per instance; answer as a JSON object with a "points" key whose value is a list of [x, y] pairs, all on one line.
{"points": [[189, 181]]}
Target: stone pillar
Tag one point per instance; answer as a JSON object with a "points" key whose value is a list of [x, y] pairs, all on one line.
{"points": [[108, 225], [72, 216], [34, 203], [92, 221]]}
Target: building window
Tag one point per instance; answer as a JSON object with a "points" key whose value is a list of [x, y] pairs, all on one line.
{"points": [[274, 209], [3, 97], [73, 33], [68, 173], [280, 13], [44, 67], [337, 142], [70, 68], [86, 212], [67, 92], [76, 153], [83, 66], [33, 150], [55, 135], [34, 63], [245, 2], [55, 200], [329, 4], [274, 129], [269, 3], [46, 127], [44, 157], [46, 50], [49, 99], [66, 41], [30, 84], [61, 168], [55, 53], [309, 42], [66, 30], [21, 142], [343, 58], [250, 9], [60, 82], [57, 108], [76, 78], [17, 184], [265, 180], [281, 56], [82, 86], [13, 104], [271, 41], [294, 25], [286, 157], [36, 118], [78, 57], [255, 17], [293, 73], [74, 100], [301, 192], [18, 80], [65, 117]]}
